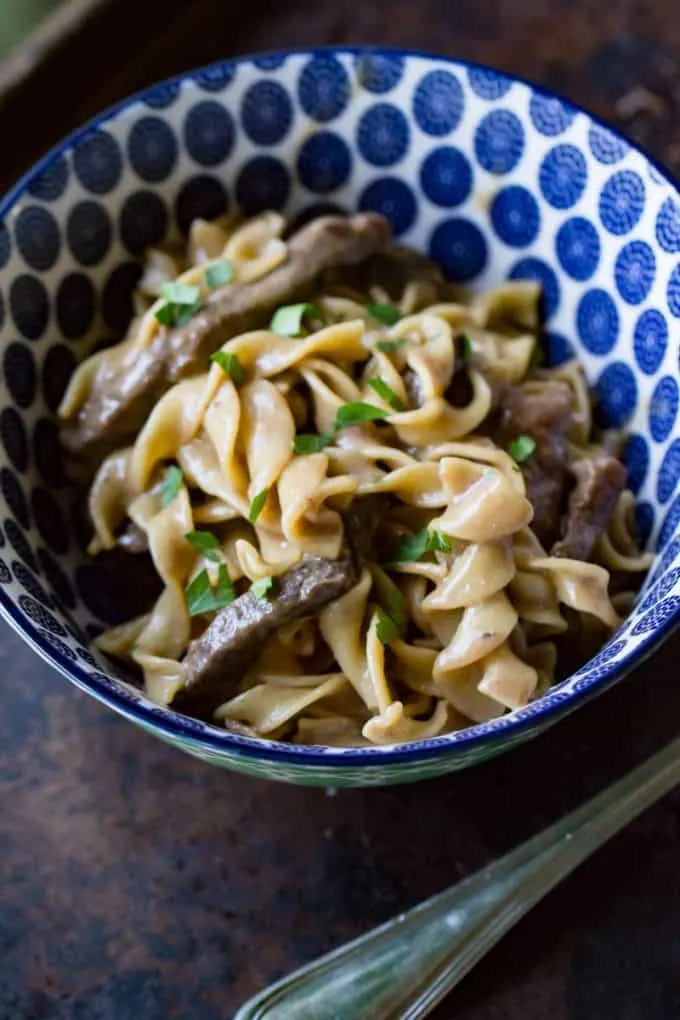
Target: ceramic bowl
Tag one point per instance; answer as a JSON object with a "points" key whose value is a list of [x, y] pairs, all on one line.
{"points": [[493, 177]]}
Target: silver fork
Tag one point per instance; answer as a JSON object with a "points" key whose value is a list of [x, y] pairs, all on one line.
{"points": [[404, 968]]}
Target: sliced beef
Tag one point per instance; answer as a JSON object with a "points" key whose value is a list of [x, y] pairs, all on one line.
{"points": [[392, 270], [215, 662], [122, 397], [542, 410], [361, 523], [599, 483]]}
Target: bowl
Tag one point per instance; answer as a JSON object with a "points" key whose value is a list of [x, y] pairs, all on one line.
{"points": [[496, 178]]}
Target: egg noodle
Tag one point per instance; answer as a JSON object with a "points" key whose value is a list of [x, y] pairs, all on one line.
{"points": [[241, 472]]}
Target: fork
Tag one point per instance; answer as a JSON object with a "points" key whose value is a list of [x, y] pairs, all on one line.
{"points": [[404, 968]]}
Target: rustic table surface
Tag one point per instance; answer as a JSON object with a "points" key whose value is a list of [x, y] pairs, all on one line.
{"points": [[138, 884]]}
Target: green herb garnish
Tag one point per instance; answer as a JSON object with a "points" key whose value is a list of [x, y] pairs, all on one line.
{"points": [[230, 365], [387, 314], [287, 321], [170, 486], [464, 348], [257, 506], [521, 448], [204, 542], [386, 629], [219, 273], [537, 357], [385, 391], [357, 413], [201, 597], [180, 303], [388, 346], [310, 442], [414, 547], [259, 588]]}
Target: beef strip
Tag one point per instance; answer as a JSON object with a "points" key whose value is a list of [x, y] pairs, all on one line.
{"points": [[391, 270], [122, 397], [215, 662], [599, 482], [542, 410]]}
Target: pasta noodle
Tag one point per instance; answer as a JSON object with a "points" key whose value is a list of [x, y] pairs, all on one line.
{"points": [[371, 434]]}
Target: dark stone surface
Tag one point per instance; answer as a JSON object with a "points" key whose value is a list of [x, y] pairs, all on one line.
{"points": [[138, 883]]}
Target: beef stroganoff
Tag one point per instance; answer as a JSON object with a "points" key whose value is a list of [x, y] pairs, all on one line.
{"points": [[375, 515]]}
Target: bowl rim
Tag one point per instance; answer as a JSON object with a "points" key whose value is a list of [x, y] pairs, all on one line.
{"points": [[207, 737]]}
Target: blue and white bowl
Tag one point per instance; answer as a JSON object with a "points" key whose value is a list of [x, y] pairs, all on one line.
{"points": [[495, 178]]}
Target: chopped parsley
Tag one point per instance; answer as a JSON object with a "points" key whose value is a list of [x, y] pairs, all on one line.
{"points": [[464, 348], [230, 365], [257, 506], [391, 615], [388, 346], [180, 303], [310, 442], [170, 486], [357, 413], [414, 547], [201, 597], [387, 314], [386, 629], [204, 542], [537, 357], [521, 448], [219, 273], [260, 588], [287, 321], [385, 391]]}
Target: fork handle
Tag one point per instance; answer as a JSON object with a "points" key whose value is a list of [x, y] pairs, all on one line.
{"points": [[402, 970]]}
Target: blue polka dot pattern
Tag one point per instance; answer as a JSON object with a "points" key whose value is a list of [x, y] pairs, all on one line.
{"points": [[383, 135], [488, 84], [50, 520], [47, 453], [663, 408], [98, 163], [19, 543], [162, 96], [616, 391], [51, 183], [536, 269], [201, 196], [636, 459], [271, 62], [622, 201], [657, 616], [143, 221], [670, 524], [57, 369], [13, 494], [215, 78], [644, 521], [605, 146], [392, 198], [458, 245], [650, 340], [668, 226], [209, 133], [59, 584], [263, 183], [20, 374], [324, 162], [597, 321], [75, 305], [634, 272], [152, 149], [562, 177], [446, 177], [89, 233], [379, 72], [5, 245], [578, 248], [323, 88], [13, 438], [558, 348], [659, 590], [5, 573], [515, 216], [29, 305], [669, 473], [116, 303], [549, 115], [673, 292], [38, 237], [438, 103], [499, 141], [266, 113]]}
